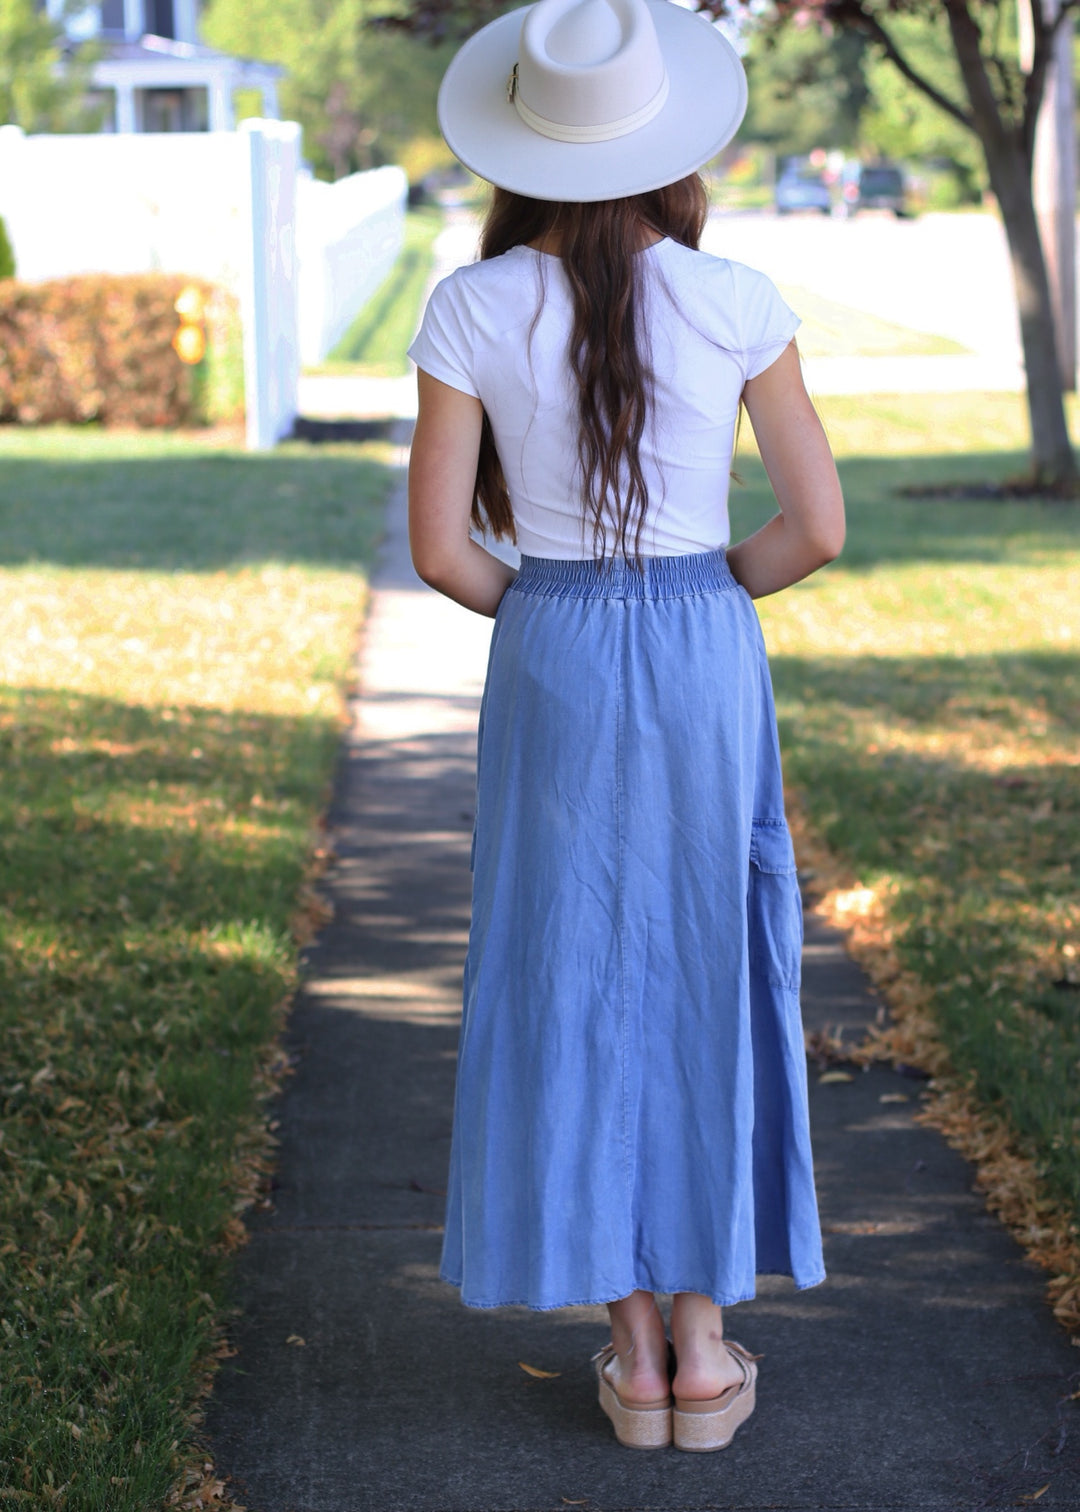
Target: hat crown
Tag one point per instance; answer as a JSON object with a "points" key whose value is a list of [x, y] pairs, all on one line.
{"points": [[583, 100], [589, 66], [586, 33]]}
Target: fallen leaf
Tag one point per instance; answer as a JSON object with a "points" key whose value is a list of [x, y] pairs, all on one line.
{"points": [[543, 1375], [1036, 1494], [297, 1340], [894, 1097], [568, 1503], [836, 1076]]}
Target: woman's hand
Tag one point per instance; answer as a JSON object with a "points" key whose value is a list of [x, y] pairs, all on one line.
{"points": [[809, 530], [442, 477]]}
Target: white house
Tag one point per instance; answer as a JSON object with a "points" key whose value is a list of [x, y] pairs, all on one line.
{"points": [[154, 73]]}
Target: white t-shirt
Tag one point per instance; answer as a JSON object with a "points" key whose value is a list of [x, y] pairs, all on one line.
{"points": [[710, 325]]}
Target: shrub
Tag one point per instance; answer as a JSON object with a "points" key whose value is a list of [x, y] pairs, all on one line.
{"points": [[99, 347], [7, 253]]}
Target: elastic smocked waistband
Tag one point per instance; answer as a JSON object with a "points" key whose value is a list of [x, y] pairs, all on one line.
{"points": [[665, 577]]}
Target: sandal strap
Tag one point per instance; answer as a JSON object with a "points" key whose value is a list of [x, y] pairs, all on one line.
{"points": [[741, 1353]]}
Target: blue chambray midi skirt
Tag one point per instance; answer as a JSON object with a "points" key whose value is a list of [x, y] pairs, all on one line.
{"points": [[631, 1104]]}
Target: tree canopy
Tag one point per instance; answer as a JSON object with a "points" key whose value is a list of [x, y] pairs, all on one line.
{"points": [[809, 89], [805, 90], [42, 81], [902, 122], [359, 91]]}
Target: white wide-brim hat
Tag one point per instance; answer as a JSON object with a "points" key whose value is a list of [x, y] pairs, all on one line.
{"points": [[585, 100]]}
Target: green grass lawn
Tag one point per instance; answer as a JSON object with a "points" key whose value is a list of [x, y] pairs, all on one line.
{"points": [[375, 343], [176, 627], [928, 691]]}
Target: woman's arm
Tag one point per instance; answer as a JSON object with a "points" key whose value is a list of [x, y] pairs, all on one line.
{"points": [[442, 476], [809, 530]]}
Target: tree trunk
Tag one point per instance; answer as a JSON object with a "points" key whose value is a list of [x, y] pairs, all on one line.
{"points": [[1009, 166], [1053, 462]]}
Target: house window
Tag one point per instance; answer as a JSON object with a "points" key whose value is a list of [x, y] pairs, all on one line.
{"points": [[112, 16], [160, 19]]}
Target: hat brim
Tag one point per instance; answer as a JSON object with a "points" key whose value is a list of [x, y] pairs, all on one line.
{"points": [[705, 105]]}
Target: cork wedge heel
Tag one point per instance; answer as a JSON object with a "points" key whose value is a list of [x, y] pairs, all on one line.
{"points": [[701, 1427], [637, 1425]]}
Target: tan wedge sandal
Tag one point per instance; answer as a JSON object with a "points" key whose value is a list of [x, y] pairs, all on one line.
{"points": [[638, 1425], [701, 1427]]}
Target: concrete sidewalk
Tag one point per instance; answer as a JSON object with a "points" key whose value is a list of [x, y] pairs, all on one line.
{"points": [[927, 1374]]}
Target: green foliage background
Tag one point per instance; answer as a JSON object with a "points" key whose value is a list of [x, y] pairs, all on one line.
{"points": [[360, 93], [808, 89], [35, 93], [900, 122]]}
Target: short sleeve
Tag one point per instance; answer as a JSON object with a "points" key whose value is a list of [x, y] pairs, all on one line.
{"points": [[444, 345], [766, 323]]}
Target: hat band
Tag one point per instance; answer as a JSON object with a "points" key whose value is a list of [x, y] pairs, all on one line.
{"points": [[606, 131]]}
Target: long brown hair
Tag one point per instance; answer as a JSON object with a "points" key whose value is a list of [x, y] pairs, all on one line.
{"points": [[597, 244]]}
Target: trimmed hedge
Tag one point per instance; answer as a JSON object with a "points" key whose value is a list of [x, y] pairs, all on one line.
{"points": [[99, 348]]}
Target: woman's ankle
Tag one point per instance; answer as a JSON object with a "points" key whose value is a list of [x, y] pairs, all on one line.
{"points": [[637, 1325], [703, 1366], [640, 1340]]}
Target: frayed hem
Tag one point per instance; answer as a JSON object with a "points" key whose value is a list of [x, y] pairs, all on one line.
{"points": [[721, 1301]]}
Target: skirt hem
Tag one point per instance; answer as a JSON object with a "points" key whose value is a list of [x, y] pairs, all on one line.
{"points": [[721, 1301]]}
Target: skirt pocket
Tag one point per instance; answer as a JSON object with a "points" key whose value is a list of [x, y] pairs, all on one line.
{"points": [[774, 906]]}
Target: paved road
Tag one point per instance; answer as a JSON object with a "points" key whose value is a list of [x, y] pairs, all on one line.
{"points": [[944, 274]]}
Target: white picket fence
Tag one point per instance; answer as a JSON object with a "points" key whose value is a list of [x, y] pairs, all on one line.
{"points": [[349, 237], [232, 207]]}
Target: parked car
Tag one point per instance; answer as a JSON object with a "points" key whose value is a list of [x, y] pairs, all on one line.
{"points": [[872, 186], [800, 187]]}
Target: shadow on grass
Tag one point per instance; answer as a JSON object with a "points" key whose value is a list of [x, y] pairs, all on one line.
{"points": [[885, 527], [191, 510], [151, 862], [929, 772], [953, 692], [211, 510]]}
